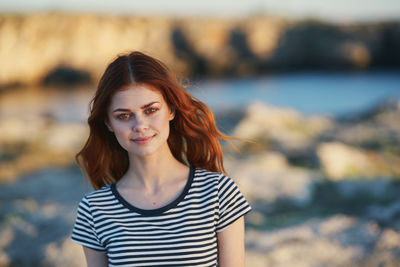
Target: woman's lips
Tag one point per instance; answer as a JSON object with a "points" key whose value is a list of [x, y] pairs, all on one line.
{"points": [[142, 140]]}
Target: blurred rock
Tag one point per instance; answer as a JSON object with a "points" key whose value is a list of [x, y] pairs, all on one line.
{"points": [[36, 218], [261, 37], [336, 241], [7, 236], [386, 251], [66, 76], [362, 134], [388, 114], [68, 138], [368, 145], [191, 46], [267, 177], [24, 129], [357, 53], [339, 161], [375, 129], [68, 40], [69, 254], [280, 129], [319, 43], [33, 144]]}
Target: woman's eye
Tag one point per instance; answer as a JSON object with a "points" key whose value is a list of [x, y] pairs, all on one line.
{"points": [[150, 110], [123, 116]]}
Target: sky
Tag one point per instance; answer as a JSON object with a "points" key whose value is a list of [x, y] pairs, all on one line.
{"points": [[331, 10]]}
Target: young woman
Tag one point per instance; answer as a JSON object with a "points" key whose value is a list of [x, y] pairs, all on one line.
{"points": [[153, 157]]}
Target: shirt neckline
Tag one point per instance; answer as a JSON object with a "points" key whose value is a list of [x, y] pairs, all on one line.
{"points": [[162, 209]]}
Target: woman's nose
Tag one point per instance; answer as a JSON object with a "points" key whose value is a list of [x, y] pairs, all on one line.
{"points": [[139, 124]]}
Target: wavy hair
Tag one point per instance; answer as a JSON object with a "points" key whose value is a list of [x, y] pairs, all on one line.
{"points": [[193, 139]]}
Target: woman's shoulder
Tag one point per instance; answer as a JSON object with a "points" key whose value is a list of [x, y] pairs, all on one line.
{"points": [[205, 174], [99, 193]]}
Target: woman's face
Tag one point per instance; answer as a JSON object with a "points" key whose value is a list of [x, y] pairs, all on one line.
{"points": [[139, 117]]}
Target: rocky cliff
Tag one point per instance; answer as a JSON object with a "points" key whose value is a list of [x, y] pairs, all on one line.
{"points": [[74, 48]]}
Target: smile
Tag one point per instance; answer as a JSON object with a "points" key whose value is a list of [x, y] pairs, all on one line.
{"points": [[142, 140]]}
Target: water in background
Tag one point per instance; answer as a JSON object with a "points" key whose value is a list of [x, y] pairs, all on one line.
{"points": [[334, 94]]}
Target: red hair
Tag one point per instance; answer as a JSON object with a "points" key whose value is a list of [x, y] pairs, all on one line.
{"points": [[193, 139]]}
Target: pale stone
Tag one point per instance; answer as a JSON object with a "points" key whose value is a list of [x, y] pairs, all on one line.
{"points": [[263, 35], [336, 224], [282, 125], [389, 239], [7, 236], [66, 137], [69, 254], [267, 176], [318, 242], [20, 129], [339, 160]]}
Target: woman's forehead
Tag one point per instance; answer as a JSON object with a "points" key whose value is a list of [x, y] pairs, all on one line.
{"points": [[136, 95]]}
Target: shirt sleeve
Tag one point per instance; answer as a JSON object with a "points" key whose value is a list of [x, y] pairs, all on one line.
{"points": [[232, 204], [84, 232]]}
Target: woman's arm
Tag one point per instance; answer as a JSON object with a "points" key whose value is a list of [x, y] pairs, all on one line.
{"points": [[95, 258], [231, 245]]}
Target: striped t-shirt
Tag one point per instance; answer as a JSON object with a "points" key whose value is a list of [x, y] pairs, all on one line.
{"points": [[182, 233]]}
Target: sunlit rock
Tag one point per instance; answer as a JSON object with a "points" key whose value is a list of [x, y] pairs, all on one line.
{"points": [[28, 145], [335, 241], [65, 137], [68, 254], [22, 129], [389, 240], [357, 54], [263, 35], [68, 39], [282, 128], [191, 46], [340, 161], [336, 224], [362, 134], [7, 236], [376, 129], [390, 117], [267, 177], [386, 250]]}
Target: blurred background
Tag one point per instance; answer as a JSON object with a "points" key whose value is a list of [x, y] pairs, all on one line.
{"points": [[315, 83]]}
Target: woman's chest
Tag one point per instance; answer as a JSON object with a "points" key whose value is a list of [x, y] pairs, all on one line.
{"points": [[182, 237]]}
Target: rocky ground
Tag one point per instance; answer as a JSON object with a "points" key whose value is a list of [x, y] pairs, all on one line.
{"points": [[325, 192], [37, 213]]}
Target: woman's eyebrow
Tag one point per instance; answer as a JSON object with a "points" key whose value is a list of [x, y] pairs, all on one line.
{"points": [[149, 104], [142, 107]]}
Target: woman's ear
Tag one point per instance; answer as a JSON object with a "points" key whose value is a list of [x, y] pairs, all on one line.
{"points": [[172, 114], [108, 126]]}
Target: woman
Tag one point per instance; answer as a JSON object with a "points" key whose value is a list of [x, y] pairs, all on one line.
{"points": [[155, 162]]}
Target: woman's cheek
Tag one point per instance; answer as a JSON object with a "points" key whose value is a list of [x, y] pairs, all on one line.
{"points": [[121, 128]]}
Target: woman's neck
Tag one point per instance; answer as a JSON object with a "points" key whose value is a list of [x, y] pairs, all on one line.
{"points": [[152, 171]]}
